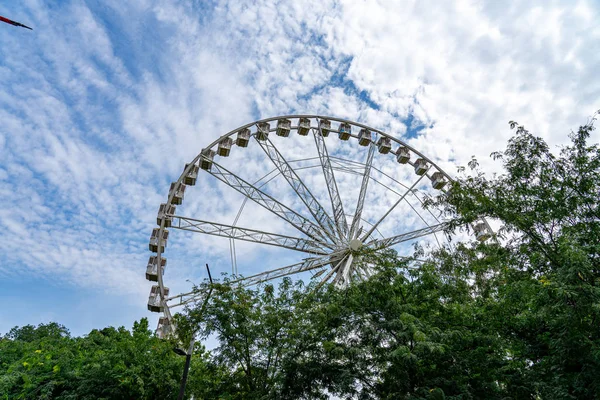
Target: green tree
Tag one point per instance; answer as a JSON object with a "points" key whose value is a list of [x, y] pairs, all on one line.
{"points": [[548, 300], [403, 334], [45, 362]]}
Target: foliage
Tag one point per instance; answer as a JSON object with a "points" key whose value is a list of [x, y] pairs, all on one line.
{"points": [[45, 362], [548, 297]]}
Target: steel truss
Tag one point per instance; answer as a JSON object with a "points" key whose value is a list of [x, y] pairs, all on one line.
{"points": [[393, 240], [336, 202], [261, 198], [249, 235], [363, 192], [307, 264]]}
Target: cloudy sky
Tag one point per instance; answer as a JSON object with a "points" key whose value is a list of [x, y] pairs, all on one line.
{"points": [[103, 103]]}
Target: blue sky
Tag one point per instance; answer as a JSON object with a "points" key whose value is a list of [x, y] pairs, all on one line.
{"points": [[103, 103]]}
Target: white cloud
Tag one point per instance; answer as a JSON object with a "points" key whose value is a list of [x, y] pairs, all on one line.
{"points": [[101, 111]]}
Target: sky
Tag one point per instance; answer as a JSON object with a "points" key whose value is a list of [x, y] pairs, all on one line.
{"points": [[103, 103]]}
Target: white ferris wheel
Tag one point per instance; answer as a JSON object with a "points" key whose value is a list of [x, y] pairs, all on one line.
{"points": [[308, 203]]}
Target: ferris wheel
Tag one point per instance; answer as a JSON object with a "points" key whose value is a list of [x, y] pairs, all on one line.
{"points": [[315, 203]]}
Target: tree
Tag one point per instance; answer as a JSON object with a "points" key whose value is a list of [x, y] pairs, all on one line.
{"points": [[403, 334], [549, 292], [44, 362], [258, 330]]}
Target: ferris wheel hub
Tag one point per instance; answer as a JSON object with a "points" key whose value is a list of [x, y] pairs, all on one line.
{"points": [[355, 244]]}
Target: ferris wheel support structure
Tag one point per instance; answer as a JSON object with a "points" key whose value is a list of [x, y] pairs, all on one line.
{"points": [[331, 241]]}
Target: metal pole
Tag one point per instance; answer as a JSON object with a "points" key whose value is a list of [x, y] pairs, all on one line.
{"points": [[190, 350], [188, 359]]}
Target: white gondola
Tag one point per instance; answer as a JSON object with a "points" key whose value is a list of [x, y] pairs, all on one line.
{"points": [[344, 131], [164, 328], [177, 190], [402, 155], [421, 166], [152, 269], [154, 300], [482, 233], [192, 175], [224, 147], [154, 240], [303, 126], [384, 144], [207, 159], [364, 137], [437, 180], [164, 212], [283, 127], [325, 127], [262, 130], [243, 137]]}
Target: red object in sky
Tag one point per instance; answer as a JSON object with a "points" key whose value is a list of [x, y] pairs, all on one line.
{"points": [[9, 21]]}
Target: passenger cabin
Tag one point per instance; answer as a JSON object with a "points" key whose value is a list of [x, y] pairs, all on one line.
{"points": [[243, 137], [192, 174], [344, 131], [325, 127], [364, 137], [421, 166], [262, 130], [283, 127], [437, 180], [303, 126], [224, 147], [154, 240], [164, 328], [206, 161], [384, 144], [164, 212], [154, 300], [402, 155], [177, 190], [482, 233], [152, 268]]}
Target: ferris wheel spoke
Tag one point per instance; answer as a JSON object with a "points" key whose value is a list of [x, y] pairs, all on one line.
{"points": [[343, 273], [334, 270], [336, 202], [307, 264], [261, 198], [315, 208], [375, 225], [246, 234], [363, 193], [393, 240]]}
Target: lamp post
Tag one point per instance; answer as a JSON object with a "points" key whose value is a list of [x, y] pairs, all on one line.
{"points": [[188, 359], [190, 350]]}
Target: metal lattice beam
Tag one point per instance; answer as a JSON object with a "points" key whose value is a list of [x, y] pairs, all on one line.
{"points": [[261, 198], [315, 208], [249, 235], [336, 202], [307, 264], [363, 193], [393, 240]]}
